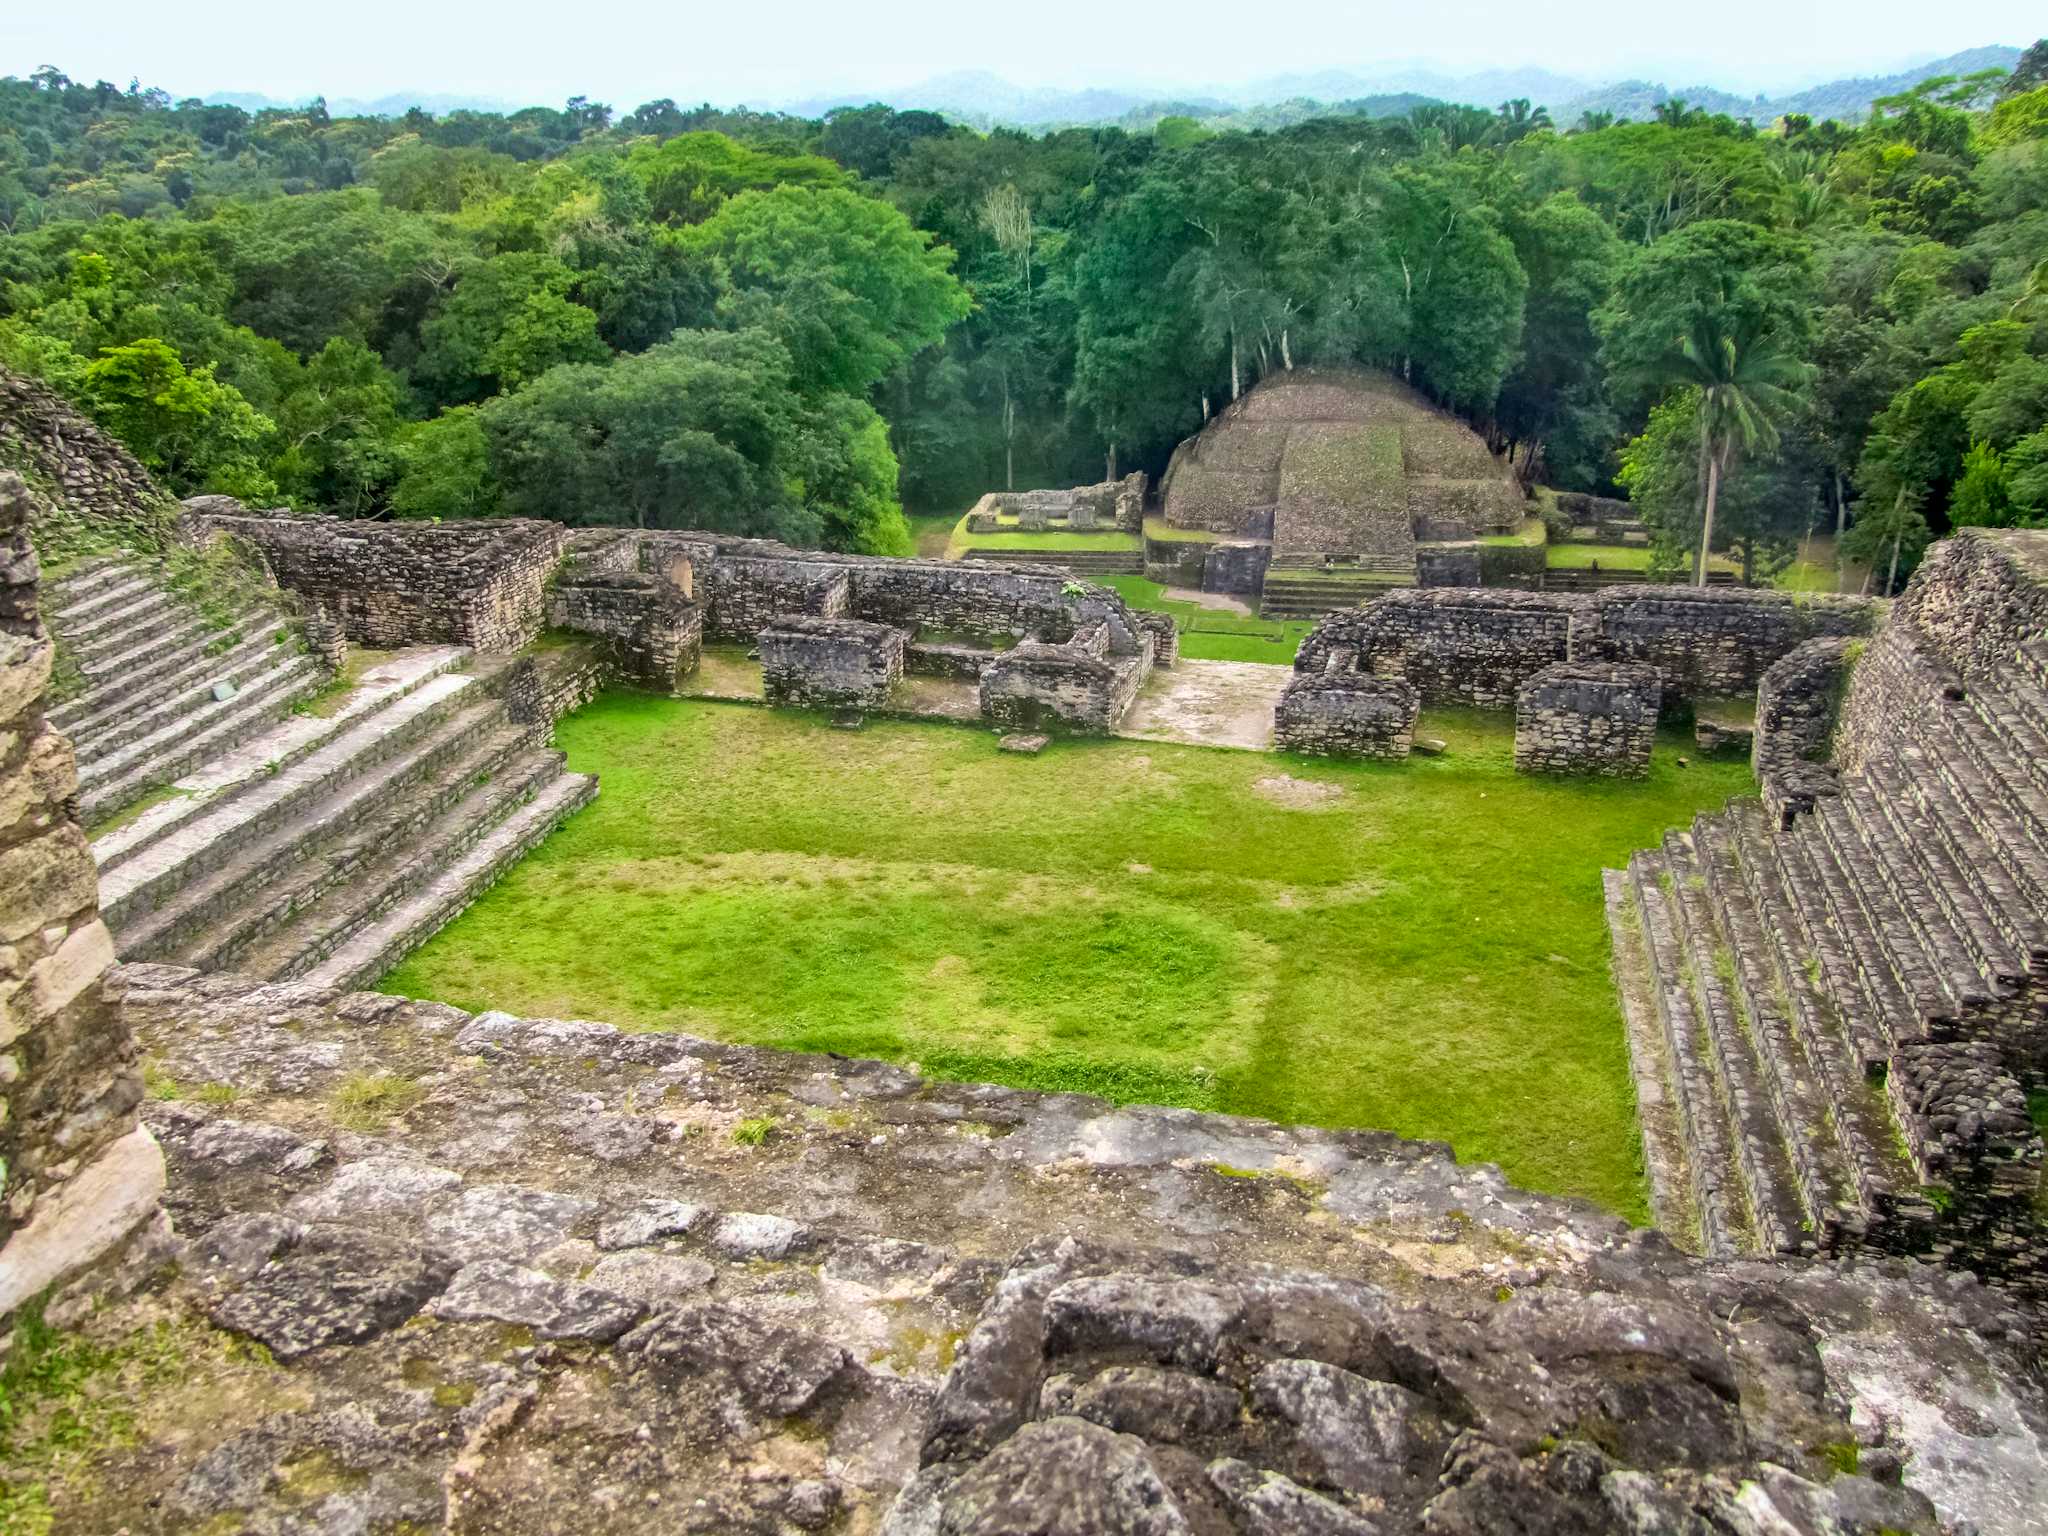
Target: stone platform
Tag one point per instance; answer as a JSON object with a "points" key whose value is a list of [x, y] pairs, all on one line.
{"points": [[685, 1286], [1209, 704]]}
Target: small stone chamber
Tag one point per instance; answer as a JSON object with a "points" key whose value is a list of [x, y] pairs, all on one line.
{"points": [[1588, 717], [830, 663]]}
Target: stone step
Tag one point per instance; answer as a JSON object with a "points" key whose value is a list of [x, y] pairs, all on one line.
{"points": [[169, 734], [1758, 1147], [109, 670], [228, 823], [1897, 985], [258, 758], [76, 608], [1882, 798], [213, 913], [2008, 874], [1852, 976], [1667, 1168], [86, 576], [186, 688], [146, 623], [1894, 900], [1857, 1112], [2016, 711], [372, 952], [1994, 785], [1827, 1191], [1718, 1197], [349, 909], [145, 667], [176, 750], [90, 623]]}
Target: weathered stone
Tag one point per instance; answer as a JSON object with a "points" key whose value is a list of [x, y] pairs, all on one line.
{"points": [[505, 1221], [1027, 744], [777, 1372], [1174, 1322], [1064, 1477], [647, 1222], [492, 1291], [333, 1286], [1356, 1434], [1162, 1405], [1267, 1504]]}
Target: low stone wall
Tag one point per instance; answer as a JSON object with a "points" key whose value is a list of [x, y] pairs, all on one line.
{"points": [[1461, 645], [925, 659], [1080, 687], [1456, 645], [1598, 718], [1796, 704], [652, 635], [77, 1173], [1708, 642], [1165, 635], [481, 584], [1347, 714], [830, 663], [1111, 504], [541, 688]]}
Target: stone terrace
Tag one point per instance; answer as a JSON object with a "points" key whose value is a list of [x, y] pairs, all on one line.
{"points": [[700, 1287], [1835, 1024]]}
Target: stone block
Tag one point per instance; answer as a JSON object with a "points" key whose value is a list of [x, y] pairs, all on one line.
{"points": [[830, 663], [1347, 714], [1598, 718]]}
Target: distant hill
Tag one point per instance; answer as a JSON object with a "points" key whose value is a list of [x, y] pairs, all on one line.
{"points": [[984, 99]]}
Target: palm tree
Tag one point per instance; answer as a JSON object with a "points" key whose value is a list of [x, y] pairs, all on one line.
{"points": [[1515, 121], [1745, 379]]}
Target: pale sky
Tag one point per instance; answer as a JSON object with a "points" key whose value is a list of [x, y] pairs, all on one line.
{"points": [[630, 51]]}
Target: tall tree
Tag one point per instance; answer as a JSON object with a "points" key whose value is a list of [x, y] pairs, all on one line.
{"points": [[1745, 381]]}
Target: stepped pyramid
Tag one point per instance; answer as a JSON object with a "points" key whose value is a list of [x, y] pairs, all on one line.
{"points": [[1838, 1011]]}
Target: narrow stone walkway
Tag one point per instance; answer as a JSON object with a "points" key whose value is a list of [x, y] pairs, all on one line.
{"points": [[1209, 704]]}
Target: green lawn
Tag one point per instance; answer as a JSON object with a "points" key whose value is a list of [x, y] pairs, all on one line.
{"points": [[1425, 952], [1211, 634], [1112, 541]]}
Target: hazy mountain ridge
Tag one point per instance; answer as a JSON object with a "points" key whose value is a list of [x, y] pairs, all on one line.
{"points": [[986, 99]]}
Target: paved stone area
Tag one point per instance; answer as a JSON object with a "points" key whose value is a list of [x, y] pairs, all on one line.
{"points": [[1209, 704]]}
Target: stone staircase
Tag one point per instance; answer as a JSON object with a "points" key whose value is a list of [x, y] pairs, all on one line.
{"points": [[1309, 589], [1841, 1018], [333, 844], [166, 687]]}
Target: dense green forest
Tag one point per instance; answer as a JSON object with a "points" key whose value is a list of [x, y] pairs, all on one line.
{"points": [[796, 327]]}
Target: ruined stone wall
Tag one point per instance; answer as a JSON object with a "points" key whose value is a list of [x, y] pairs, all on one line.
{"points": [[1595, 718], [1973, 610], [1079, 687], [748, 592], [83, 476], [76, 1171], [539, 689], [481, 584], [1478, 646], [1112, 504], [1795, 717], [830, 663], [652, 634], [1347, 714], [1707, 642], [1456, 645]]}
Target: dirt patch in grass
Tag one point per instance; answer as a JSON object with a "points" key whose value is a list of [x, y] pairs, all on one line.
{"points": [[1297, 794], [909, 892]]}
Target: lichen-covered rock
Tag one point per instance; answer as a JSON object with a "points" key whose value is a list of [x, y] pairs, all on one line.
{"points": [[332, 1286]]}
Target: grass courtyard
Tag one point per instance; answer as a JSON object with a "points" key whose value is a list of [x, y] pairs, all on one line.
{"points": [[1417, 947]]}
